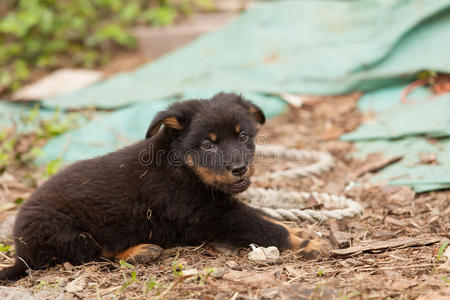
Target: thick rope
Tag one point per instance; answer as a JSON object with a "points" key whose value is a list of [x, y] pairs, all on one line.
{"points": [[290, 206], [323, 161]]}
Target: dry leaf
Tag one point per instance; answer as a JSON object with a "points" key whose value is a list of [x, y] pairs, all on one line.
{"points": [[76, 285], [249, 277]]}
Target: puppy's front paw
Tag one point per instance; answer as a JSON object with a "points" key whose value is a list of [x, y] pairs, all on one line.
{"points": [[308, 244], [143, 253]]}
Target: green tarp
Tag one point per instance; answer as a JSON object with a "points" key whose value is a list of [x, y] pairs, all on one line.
{"points": [[410, 170], [415, 129], [319, 47], [430, 117]]}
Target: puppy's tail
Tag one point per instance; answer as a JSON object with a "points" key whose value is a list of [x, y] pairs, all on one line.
{"points": [[13, 272]]}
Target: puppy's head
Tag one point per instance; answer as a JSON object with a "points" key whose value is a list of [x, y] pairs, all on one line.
{"points": [[214, 137]]}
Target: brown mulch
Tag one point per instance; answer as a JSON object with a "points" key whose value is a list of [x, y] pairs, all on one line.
{"points": [[380, 270]]}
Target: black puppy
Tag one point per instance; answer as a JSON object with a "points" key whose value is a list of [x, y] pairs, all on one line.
{"points": [[174, 188]]}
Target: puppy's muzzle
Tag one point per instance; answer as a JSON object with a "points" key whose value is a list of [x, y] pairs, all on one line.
{"points": [[238, 170]]}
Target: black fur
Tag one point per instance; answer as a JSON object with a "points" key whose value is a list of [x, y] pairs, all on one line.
{"points": [[168, 189]]}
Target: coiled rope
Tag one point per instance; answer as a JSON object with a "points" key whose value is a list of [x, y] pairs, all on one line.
{"points": [[287, 205]]}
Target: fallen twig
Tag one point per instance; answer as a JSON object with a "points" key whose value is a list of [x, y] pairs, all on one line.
{"points": [[6, 256], [382, 245], [378, 165]]}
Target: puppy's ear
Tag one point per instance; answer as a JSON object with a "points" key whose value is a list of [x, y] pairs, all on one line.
{"points": [[176, 118], [167, 118], [254, 110], [257, 113]]}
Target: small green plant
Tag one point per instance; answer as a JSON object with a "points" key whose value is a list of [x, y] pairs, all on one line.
{"points": [[4, 159], [56, 125], [202, 278], [52, 168], [446, 280], [125, 264], [19, 149], [177, 269], [441, 250], [127, 279], [29, 157], [6, 151], [4, 248], [32, 117], [152, 285], [209, 271], [19, 200], [42, 284], [320, 272]]}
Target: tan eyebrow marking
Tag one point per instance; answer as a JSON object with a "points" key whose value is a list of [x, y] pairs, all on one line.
{"points": [[237, 128], [213, 136]]}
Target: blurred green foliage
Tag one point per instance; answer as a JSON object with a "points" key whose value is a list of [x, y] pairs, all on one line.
{"points": [[20, 151], [45, 34]]}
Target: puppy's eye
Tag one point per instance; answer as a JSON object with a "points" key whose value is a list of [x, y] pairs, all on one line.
{"points": [[243, 136], [208, 145]]}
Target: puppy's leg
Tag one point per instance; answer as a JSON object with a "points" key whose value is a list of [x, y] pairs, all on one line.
{"points": [[309, 244], [142, 253], [42, 240], [244, 225], [42, 245]]}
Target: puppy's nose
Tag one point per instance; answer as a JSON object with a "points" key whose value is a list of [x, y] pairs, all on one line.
{"points": [[238, 170]]}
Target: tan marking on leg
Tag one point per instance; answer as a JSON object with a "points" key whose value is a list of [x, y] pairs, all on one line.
{"points": [[107, 254], [309, 244], [142, 253]]}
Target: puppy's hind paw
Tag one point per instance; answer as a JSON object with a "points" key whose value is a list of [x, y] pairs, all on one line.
{"points": [[315, 249], [142, 254], [309, 245]]}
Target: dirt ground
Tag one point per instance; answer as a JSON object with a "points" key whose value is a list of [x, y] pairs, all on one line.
{"points": [[416, 271]]}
